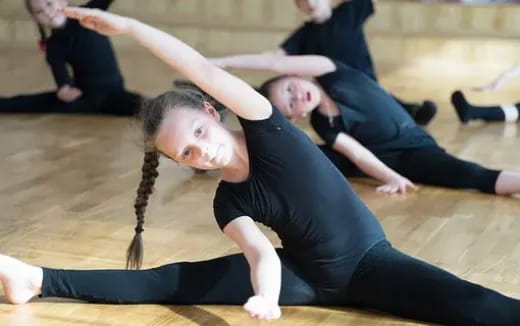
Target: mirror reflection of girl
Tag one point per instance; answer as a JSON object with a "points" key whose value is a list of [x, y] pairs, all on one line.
{"points": [[335, 33], [96, 85], [502, 112], [366, 132], [334, 250]]}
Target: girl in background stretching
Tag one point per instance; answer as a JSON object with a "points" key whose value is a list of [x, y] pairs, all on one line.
{"points": [[95, 86]]}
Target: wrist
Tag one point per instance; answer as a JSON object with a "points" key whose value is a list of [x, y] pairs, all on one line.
{"points": [[271, 299], [392, 177]]}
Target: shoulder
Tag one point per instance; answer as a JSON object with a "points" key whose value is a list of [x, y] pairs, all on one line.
{"points": [[344, 73], [228, 203], [272, 123]]}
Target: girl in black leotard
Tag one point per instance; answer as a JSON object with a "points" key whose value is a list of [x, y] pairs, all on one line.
{"points": [[366, 132], [337, 34], [96, 86], [334, 250]]}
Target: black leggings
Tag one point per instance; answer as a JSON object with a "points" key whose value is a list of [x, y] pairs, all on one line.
{"points": [[429, 165], [386, 280], [116, 101]]}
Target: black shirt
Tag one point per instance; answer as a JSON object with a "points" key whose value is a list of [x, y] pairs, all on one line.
{"points": [[89, 54], [340, 38], [297, 192], [367, 113]]}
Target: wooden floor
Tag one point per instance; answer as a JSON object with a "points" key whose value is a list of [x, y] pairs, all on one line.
{"points": [[67, 186]]}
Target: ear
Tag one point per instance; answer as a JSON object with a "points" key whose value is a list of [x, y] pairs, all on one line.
{"points": [[210, 109]]}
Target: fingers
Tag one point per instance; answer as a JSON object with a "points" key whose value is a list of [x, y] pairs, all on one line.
{"points": [[90, 22], [387, 189], [260, 309], [393, 188]]}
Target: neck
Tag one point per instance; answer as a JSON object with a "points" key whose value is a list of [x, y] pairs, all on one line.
{"points": [[327, 105], [238, 168]]}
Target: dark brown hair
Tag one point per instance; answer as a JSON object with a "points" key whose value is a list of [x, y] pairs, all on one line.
{"points": [[265, 88], [182, 84], [151, 116]]}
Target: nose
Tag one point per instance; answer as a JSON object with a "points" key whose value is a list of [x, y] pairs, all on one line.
{"points": [[298, 96], [206, 151]]}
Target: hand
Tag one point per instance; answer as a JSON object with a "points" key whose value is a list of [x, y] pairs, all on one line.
{"points": [[397, 185], [494, 86], [260, 308], [68, 93], [98, 20]]}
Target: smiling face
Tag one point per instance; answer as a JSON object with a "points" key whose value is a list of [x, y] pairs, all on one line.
{"points": [[295, 97], [318, 11], [195, 138], [48, 12]]}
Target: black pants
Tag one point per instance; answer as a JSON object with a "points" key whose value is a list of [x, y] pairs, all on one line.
{"points": [[115, 101], [429, 165], [386, 280]]}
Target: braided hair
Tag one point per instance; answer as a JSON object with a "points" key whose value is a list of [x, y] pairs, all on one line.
{"points": [[149, 174], [151, 115]]}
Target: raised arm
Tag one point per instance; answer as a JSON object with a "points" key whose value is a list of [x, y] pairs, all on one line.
{"points": [[265, 266], [302, 65], [248, 61], [229, 90], [367, 162], [507, 76]]}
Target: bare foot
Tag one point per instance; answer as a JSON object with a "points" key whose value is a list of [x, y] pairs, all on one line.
{"points": [[21, 281]]}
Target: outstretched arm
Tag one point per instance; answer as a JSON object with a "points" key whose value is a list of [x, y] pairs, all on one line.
{"points": [[507, 76], [367, 162], [265, 266], [278, 62], [248, 61], [229, 90]]}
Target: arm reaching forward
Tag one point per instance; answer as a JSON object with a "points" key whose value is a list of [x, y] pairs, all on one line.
{"points": [[248, 61], [266, 275], [367, 162]]}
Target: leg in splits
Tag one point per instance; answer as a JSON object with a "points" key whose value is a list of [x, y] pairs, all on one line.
{"points": [[223, 280], [41, 103], [390, 281]]}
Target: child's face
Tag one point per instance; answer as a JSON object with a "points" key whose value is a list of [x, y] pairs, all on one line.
{"points": [[48, 12], [318, 11]]}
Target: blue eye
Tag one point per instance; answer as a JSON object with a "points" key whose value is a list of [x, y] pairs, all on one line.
{"points": [[198, 131]]}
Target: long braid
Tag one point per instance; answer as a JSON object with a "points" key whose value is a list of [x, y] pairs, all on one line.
{"points": [[134, 255], [152, 114]]}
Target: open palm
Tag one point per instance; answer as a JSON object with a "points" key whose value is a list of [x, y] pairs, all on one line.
{"points": [[100, 21]]}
